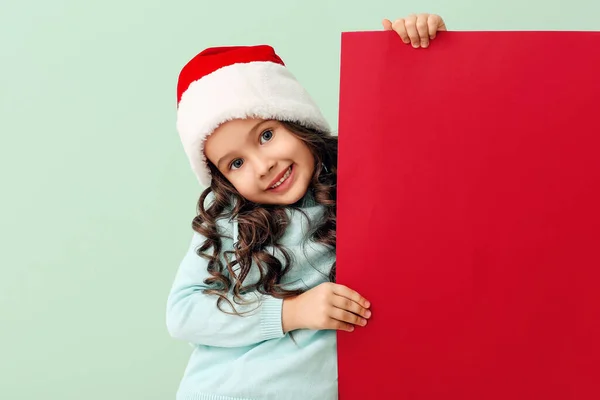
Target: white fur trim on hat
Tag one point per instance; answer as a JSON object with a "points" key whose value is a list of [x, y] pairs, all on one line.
{"points": [[247, 90]]}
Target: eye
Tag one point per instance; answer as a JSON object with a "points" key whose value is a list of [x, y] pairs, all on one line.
{"points": [[266, 136], [236, 164]]}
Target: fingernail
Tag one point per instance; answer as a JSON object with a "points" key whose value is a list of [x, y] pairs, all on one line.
{"points": [[415, 45], [367, 304], [424, 44], [351, 329], [363, 321], [368, 314]]}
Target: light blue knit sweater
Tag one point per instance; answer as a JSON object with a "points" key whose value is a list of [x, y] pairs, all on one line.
{"points": [[249, 357]]}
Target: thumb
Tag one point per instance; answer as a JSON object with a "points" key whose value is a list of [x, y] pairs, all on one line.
{"points": [[387, 24]]}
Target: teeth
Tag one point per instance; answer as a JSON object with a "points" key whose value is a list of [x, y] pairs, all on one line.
{"points": [[283, 178]]}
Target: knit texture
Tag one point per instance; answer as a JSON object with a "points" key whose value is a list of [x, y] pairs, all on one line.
{"points": [[248, 357]]}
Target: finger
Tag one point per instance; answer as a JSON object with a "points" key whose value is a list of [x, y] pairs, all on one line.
{"points": [[349, 305], [411, 28], [332, 323], [432, 27], [441, 23], [387, 25], [423, 30], [342, 326], [400, 29], [435, 23], [344, 316], [350, 294]]}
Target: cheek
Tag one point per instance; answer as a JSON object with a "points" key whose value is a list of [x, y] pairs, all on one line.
{"points": [[242, 181], [307, 158], [311, 168]]}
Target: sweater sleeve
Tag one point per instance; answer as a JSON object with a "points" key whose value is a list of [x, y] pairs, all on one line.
{"points": [[194, 317]]}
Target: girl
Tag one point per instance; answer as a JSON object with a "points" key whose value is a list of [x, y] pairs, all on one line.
{"points": [[254, 294]]}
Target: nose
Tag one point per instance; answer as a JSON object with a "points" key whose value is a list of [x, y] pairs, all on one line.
{"points": [[264, 166]]}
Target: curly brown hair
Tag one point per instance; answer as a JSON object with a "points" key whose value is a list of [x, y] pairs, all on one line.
{"points": [[261, 225]]}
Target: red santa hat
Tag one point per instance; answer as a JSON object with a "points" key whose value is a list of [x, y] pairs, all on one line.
{"points": [[224, 83]]}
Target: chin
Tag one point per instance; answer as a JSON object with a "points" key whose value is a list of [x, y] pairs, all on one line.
{"points": [[295, 194], [287, 199], [293, 199]]}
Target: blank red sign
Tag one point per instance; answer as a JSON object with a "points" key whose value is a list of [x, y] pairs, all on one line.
{"points": [[469, 215]]}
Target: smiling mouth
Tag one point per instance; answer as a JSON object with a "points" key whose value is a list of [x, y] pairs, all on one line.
{"points": [[283, 178]]}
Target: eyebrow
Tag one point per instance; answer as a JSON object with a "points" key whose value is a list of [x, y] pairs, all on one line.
{"points": [[250, 132]]}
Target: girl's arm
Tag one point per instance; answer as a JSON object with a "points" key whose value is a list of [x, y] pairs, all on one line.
{"points": [[193, 316]]}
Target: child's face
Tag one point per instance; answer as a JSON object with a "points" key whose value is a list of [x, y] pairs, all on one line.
{"points": [[265, 162]]}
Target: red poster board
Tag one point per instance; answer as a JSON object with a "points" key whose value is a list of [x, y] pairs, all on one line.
{"points": [[469, 215]]}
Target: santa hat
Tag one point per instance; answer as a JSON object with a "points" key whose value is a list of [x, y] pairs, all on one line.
{"points": [[224, 83]]}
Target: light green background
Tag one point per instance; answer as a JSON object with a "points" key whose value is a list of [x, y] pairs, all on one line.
{"points": [[96, 194]]}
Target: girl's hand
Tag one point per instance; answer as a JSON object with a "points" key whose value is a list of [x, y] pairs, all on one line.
{"points": [[416, 29], [327, 306]]}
